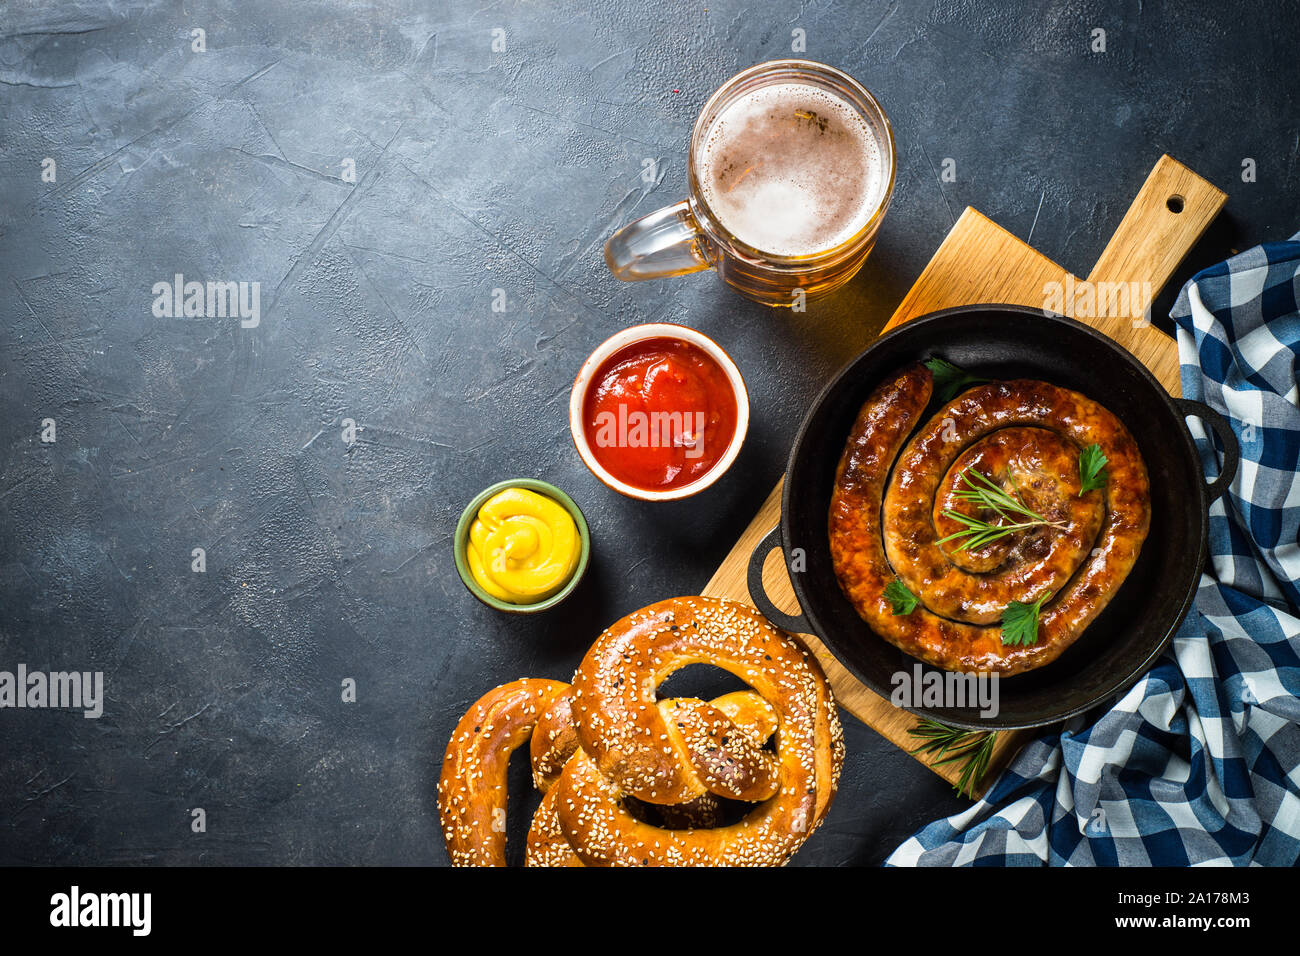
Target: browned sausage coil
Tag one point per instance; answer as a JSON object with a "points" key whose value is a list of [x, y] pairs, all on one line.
{"points": [[894, 498]]}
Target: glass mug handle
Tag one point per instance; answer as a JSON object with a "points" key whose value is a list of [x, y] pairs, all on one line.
{"points": [[668, 242]]}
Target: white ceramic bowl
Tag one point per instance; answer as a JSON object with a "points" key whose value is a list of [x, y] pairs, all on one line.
{"points": [[630, 336]]}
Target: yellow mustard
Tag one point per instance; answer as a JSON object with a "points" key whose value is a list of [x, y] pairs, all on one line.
{"points": [[523, 547]]}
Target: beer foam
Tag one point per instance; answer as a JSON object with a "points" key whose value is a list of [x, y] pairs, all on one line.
{"points": [[791, 169]]}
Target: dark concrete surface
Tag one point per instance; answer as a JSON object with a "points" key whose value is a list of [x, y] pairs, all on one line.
{"points": [[475, 170]]}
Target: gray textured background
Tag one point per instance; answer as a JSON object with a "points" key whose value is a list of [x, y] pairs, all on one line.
{"points": [[475, 171]]}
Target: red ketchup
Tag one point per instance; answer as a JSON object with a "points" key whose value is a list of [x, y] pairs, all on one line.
{"points": [[659, 414]]}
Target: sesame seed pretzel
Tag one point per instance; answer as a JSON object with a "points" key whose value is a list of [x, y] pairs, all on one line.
{"points": [[606, 745], [472, 792]]}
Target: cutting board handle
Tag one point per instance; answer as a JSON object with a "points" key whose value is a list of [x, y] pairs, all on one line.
{"points": [[1166, 219], [1169, 214]]}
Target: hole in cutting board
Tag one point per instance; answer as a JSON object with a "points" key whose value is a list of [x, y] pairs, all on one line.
{"points": [[1174, 204]]}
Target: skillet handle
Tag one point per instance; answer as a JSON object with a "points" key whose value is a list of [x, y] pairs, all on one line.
{"points": [[1227, 437], [787, 622]]}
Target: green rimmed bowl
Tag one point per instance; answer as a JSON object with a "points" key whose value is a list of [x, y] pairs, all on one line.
{"points": [[461, 539]]}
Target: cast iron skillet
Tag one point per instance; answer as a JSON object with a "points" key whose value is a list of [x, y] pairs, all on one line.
{"points": [[1005, 342]]}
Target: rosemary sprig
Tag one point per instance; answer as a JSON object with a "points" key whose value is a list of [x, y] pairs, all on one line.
{"points": [[973, 747], [988, 496]]}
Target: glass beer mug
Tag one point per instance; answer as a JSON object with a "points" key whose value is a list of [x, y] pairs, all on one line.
{"points": [[790, 171]]}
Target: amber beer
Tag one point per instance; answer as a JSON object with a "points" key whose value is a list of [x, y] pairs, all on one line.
{"points": [[791, 168]]}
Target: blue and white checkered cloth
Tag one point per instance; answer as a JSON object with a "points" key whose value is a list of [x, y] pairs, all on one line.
{"points": [[1199, 763]]}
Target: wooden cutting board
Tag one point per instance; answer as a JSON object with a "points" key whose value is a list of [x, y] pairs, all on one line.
{"points": [[979, 261]]}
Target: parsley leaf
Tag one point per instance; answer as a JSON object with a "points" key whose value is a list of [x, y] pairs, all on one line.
{"points": [[949, 379], [1020, 622], [903, 600], [1091, 462]]}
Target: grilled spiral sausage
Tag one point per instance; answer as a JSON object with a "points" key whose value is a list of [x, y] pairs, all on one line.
{"points": [[890, 510], [606, 743]]}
